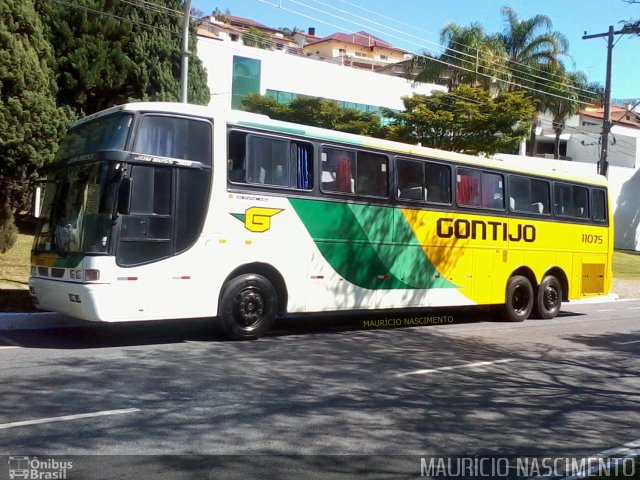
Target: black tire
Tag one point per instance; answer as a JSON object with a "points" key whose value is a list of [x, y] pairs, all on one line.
{"points": [[548, 298], [519, 299], [248, 307]]}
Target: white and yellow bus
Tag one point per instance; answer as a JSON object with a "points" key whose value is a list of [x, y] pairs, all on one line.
{"points": [[165, 211]]}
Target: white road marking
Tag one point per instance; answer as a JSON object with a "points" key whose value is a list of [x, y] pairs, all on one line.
{"points": [[455, 367], [607, 310], [6, 348], [65, 418], [628, 343]]}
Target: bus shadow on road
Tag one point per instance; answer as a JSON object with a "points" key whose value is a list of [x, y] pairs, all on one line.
{"points": [[107, 335]]}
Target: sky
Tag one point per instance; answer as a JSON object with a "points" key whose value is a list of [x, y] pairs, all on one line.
{"points": [[414, 25]]}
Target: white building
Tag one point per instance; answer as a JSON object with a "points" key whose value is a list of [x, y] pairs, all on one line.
{"points": [[235, 70]]}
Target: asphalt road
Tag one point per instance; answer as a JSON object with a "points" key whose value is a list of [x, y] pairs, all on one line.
{"points": [[337, 397]]}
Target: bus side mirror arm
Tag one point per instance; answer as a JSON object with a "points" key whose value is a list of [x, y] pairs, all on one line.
{"points": [[124, 196]]}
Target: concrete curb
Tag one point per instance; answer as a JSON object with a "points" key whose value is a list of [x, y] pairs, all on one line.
{"points": [[612, 297]]}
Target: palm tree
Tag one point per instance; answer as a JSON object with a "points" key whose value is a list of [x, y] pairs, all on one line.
{"points": [[564, 100], [469, 58], [530, 45]]}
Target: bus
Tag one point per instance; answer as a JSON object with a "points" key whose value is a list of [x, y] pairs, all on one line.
{"points": [[167, 211]]}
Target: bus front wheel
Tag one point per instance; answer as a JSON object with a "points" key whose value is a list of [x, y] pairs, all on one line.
{"points": [[519, 299], [548, 298], [247, 307]]}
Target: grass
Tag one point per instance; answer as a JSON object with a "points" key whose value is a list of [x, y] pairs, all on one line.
{"points": [[14, 264], [14, 273], [626, 265]]}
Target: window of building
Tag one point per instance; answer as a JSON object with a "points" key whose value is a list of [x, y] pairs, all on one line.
{"points": [[570, 200], [425, 181], [245, 79], [529, 195], [476, 188]]}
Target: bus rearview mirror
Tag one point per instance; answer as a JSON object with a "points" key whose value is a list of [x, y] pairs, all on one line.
{"points": [[37, 202]]}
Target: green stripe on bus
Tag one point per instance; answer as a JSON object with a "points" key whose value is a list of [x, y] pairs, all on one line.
{"points": [[370, 246]]}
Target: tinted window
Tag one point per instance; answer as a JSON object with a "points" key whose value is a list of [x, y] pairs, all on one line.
{"points": [[350, 171], [599, 207], [270, 161], [529, 195], [373, 177], [174, 137], [423, 181], [338, 170], [571, 200], [475, 188], [151, 190]]}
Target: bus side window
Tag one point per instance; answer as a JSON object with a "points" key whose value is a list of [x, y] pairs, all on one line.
{"points": [[571, 200], [236, 146], [410, 179], [338, 167], [174, 137], [372, 174], [528, 195], [599, 205], [437, 183]]}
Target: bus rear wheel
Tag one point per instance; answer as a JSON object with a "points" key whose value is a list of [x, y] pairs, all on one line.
{"points": [[548, 298], [247, 307], [519, 299]]}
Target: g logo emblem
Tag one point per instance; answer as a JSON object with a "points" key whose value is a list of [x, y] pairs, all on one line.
{"points": [[257, 219]]}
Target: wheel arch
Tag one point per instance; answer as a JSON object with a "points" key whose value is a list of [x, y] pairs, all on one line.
{"points": [[525, 272], [270, 273], [562, 278]]}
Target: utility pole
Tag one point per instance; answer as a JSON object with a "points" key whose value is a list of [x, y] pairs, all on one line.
{"points": [[184, 71], [603, 163]]}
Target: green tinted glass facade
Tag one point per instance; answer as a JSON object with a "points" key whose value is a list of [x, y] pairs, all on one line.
{"points": [[246, 79]]}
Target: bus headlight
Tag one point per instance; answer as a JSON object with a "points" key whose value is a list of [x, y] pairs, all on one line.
{"points": [[91, 275]]}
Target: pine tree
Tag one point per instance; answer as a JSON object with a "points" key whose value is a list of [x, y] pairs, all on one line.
{"points": [[110, 52], [31, 123]]}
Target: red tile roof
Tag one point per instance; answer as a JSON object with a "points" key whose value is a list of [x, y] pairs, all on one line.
{"points": [[363, 39], [618, 115]]}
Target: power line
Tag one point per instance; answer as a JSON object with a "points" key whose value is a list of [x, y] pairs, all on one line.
{"points": [[106, 14], [475, 72]]}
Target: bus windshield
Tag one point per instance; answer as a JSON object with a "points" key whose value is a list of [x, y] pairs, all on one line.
{"points": [[78, 209], [104, 133]]}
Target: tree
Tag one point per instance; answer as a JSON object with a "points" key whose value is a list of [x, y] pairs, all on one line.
{"points": [[633, 25], [471, 57], [565, 101], [530, 44], [113, 52], [467, 120], [317, 112], [31, 123], [257, 38]]}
